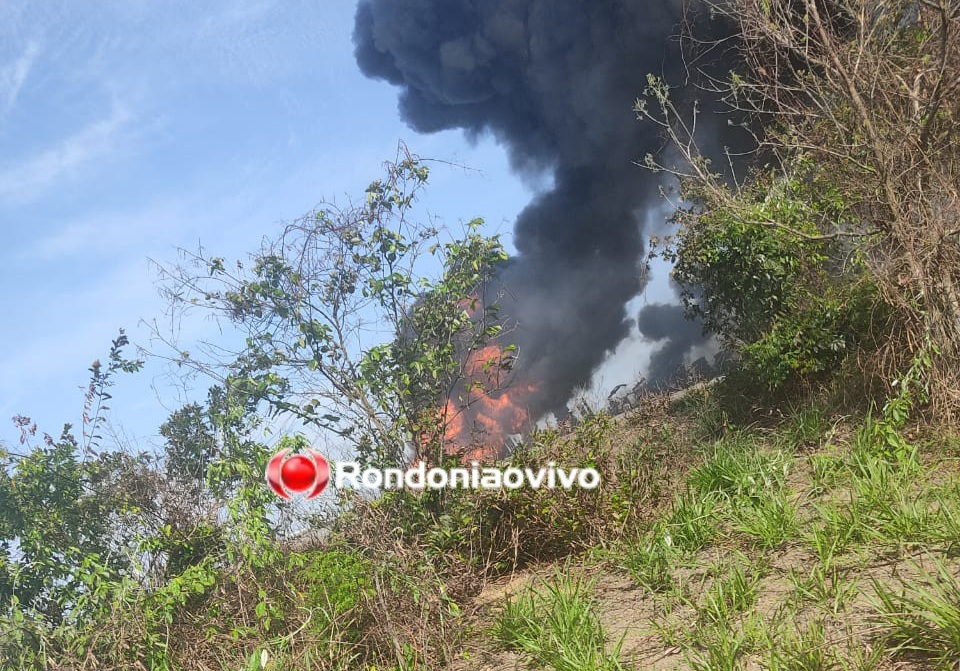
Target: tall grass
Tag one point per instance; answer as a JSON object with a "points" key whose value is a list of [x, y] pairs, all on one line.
{"points": [[649, 561], [557, 627], [805, 650], [769, 522], [923, 616], [737, 469]]}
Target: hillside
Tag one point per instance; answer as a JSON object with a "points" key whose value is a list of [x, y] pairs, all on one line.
{"points": [[799, 511], [791, 547], [809, 540], [724, 535]]}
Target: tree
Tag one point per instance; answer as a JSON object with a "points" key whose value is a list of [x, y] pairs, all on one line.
{"points": [[190, 444], [66, 499], [860, 96], [358, 320]]}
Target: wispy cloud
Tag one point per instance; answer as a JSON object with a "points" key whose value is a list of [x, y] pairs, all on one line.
{"points": [[83, 237], [13, 75], [30, 177]]}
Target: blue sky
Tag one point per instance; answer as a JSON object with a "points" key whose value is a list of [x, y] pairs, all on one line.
{"points": [[129, 128]]}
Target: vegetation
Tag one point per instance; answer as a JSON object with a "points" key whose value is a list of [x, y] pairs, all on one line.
{"points": [[802, 512], [359, 320], [557, 627], [839, 244]]}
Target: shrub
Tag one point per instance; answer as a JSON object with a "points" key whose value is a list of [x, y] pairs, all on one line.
{"points": [[761, 276]]}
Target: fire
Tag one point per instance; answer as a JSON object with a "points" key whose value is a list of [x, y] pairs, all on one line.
{"points": [[492, 408], [485, 407], [488, 366]]}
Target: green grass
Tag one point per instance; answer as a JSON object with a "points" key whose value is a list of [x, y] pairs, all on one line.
{"points": [[692, 523], [724, 646], [877, 478], [730, 595], [827, 470], [947, 499], [923, 616], [769, 521], [907, 519], [557, 627], [723, 650], [837, 529], [737, 469], [892, 503], [805, 427], [827, 588], [649, 561], [806, 649], [861, 500], [725, 631], [875, 444]]}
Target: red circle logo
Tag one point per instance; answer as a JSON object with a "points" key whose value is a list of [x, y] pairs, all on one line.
{"points": [[306, 473]]}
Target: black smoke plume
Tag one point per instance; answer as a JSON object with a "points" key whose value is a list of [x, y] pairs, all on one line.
{"points": [[667, 322], [555, 81]]}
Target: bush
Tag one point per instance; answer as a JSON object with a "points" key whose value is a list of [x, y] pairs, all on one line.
{"points": [[764, 278]]}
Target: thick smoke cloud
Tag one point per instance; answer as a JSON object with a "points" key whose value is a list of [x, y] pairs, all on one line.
{"points": [[555, 82], [663, 321]]}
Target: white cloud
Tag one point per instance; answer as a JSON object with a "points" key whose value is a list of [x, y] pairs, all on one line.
{"points": [[228, 211], [13, 75], [29, 178]]}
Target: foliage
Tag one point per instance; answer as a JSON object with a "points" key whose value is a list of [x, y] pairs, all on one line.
{"points": [[750, 272], [760, 274], [495, 532], [190, 444], [848, 105], [769, 521], [361, 322], [737, 469], [650, 561], [63, 500], [728, 597], [358, 320], [923, 616], [804, 650]]}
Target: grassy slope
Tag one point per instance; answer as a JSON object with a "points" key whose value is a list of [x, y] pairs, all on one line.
{"points": [[806, 546]]}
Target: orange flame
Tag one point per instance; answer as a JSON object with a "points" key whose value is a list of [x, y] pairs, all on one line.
{"points": [[488, 406], [493, 408]]}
